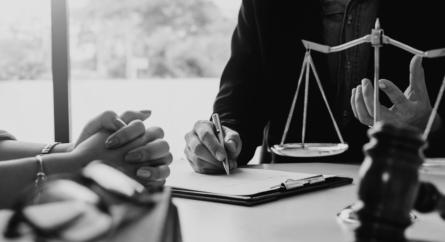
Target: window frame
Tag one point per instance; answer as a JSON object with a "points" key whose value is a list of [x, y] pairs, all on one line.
{"points": [[61, 70]]}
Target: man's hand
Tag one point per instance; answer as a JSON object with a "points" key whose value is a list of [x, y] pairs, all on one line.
{"points": [[205, 153], [411, 108], [151, 170]]}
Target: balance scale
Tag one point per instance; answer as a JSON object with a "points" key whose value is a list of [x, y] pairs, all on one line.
{"points": [[377, 39]]}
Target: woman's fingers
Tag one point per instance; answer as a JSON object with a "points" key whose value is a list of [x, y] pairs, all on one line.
{"points": [[129, 116], [153, 173], [106, 120], [151, 151], [109, 120], [126, 134], [152, 184]]}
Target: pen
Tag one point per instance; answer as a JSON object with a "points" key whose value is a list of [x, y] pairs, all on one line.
{"points": [[219, 130]]}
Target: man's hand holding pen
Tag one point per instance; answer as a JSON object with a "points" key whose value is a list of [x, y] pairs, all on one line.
{"points": [[204, 151]]}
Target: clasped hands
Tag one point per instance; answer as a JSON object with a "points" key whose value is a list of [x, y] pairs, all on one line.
{"points": [[125, 143], [411, 108]]}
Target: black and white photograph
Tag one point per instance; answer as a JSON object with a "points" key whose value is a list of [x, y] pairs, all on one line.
{"points": [[222, 121]]}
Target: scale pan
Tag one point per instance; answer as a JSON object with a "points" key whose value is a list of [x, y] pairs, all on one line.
{"points": [[310, 149]]}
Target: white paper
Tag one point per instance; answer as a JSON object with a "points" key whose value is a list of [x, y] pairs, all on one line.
{"points": [[242, 181]]}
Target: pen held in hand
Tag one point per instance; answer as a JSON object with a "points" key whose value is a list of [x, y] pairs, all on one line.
{"points": [[219, 131]]}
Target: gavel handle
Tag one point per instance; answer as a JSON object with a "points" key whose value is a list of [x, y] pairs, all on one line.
{"points": [[429, 199]]}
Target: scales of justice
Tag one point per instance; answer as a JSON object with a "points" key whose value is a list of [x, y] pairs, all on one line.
{"points": [[377, 38]]}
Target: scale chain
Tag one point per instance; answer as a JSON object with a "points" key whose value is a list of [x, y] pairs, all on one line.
{"points": [[306, 91], [434, 111], [324, 98], [291, 113]]}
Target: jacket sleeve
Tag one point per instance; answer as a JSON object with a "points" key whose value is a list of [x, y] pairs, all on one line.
{"points": [[241, 101]]}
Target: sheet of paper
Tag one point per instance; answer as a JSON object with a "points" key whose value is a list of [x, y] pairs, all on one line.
{"points": [[242, 181]]}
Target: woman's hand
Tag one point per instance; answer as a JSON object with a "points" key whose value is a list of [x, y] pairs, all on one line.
{"points": [[109, 120], [145, 158]]}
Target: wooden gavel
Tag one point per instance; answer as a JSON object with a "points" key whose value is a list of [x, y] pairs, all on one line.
{"points": [[429, 199], [389, 186]]}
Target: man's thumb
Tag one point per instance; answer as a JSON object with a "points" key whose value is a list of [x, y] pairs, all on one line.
{"points": [[395, 95], [417, 76]]}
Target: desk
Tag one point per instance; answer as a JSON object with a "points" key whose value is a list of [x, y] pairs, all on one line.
{"points": [[309, 217]]}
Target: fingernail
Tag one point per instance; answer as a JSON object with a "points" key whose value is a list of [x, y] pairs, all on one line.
{"points": [[135, 156], [364, 82], [146, 111], [119, 123], [233, 164], [234, 143], [219, 156], [111, 143], [143, 173], [382, 85]]}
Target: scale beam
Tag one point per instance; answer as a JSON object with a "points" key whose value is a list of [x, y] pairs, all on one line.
{"points": [[328, 49], [428, 54], [367, 39], [377, 38]]}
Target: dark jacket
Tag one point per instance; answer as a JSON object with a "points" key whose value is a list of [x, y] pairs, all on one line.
{"points": [[260, 79]]}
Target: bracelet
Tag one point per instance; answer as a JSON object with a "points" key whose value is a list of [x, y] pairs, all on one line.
{"points": [[48, 148], [41, 177]]}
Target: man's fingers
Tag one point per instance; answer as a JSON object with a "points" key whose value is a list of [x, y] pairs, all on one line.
{"points": [[417, 76], [368, 96], [233, 164], [203, 167], [394, 93], [232, 143], [198, 150], [386, 114], [360, 107], [129, 116], [205, 131], [203, 148], [126, 134], [353, 103], [151, 151]]}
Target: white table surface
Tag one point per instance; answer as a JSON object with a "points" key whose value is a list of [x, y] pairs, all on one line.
{"points": [[306, 217]]}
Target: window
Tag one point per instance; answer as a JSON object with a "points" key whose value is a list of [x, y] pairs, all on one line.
{"points": [[162, 55], [26, 100]]}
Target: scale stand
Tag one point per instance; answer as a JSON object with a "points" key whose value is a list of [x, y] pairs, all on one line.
{"points": [[377, 39]]}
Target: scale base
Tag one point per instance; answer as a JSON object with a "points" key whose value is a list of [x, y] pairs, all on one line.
{"points": [[310, 149]]}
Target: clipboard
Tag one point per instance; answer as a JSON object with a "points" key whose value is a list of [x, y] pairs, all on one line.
{"points": [[246, 186], [260, 198]]}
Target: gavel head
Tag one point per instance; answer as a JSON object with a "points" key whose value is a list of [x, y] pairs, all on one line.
{"points": [[388, 182]]}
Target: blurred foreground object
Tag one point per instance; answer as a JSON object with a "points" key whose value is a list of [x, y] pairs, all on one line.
{"points": [[429, 199], [100, 203], [389, 181]]}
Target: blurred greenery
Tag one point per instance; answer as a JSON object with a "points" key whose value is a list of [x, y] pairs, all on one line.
{"points": [[112, 39]]}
